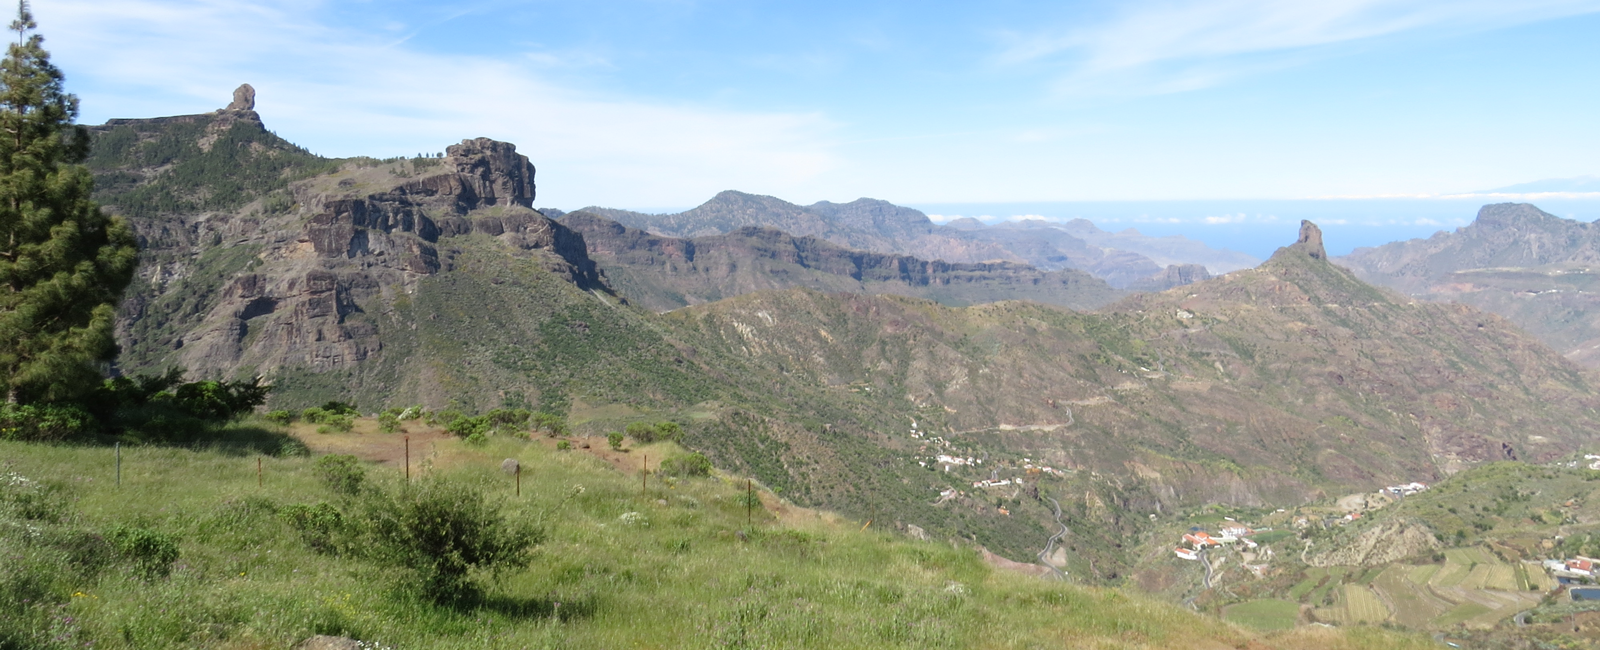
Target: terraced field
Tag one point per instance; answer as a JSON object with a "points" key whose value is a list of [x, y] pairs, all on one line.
{"points": [[1472, 587], [1357, 604]]}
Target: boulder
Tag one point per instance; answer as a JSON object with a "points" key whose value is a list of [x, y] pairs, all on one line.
{"points": [[510, 466]]}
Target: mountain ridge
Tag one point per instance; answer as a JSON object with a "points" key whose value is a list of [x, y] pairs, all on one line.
{"points": [[882, 227], [663, 273]]}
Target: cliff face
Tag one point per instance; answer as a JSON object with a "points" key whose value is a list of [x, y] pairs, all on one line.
{"points": [[664, 273], [290, 275]]}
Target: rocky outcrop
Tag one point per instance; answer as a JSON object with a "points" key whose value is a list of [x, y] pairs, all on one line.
{"points": [[1385, 543], [1175, 275]]}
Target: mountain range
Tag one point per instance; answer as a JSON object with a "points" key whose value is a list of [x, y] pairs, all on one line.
{"points": [[432, 280], [1125, 260], [1538, 270]]}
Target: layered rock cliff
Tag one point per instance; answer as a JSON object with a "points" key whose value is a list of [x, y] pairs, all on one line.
{"points": [[664, 273]]}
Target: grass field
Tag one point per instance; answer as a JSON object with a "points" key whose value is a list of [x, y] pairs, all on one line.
{"points": [[1461, 614], [1267, 614], [666, 566]]}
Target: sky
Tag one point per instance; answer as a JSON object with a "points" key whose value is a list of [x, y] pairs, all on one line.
{"points": [[967, 107]]}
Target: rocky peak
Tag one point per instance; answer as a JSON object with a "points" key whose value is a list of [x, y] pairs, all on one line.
{"points": [[1498, 217], [1309, 243], [244, 99]]}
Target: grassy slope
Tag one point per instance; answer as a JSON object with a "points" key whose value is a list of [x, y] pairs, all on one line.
{"points": [[682, 579]]}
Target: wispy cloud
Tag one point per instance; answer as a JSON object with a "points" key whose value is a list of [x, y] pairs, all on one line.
{"points": [[345, 92], [1174, 45]]}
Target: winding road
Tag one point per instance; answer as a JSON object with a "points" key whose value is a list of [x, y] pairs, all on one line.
{"points": [[1051, 544]]}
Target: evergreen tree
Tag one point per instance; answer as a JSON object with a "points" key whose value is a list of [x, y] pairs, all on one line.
{"points": [[63, 263]]}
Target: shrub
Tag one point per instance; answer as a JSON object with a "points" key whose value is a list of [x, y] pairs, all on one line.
{"points": [[691, 465], [553, 425], [318, 525], [465, 427], [563, 445], [313, 415], [389, 422], [151, 551], [443, 530], [642, 432], [614, 439], [336, 423], [279, 416], [508, 420], [341, 408], [646, 433], [445, 417], [43, 422], [341, 473], [476, 439], [413, 413]]}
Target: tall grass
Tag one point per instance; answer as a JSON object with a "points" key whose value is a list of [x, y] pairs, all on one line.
{"points": [[676, 566]]}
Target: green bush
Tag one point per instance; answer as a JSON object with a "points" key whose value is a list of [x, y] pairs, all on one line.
{"points": [[279, 416], [563, 445], [341, 473], [508, 420], [465, 427], [553, 425], [389, 422], [614, 438], [164, 407], [319, 525], [150, 551], [444, 530], [43, 422], [336, 423], [646, 433], [341, 408], [687, 466]]}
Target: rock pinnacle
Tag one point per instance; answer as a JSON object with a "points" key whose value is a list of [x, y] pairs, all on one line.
{"points": [[1310, 241], [244, 99]]}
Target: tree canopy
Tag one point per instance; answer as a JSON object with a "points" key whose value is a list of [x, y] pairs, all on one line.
{"points": [[63, 262]]}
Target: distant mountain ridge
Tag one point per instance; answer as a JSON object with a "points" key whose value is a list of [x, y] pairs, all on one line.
{"points": [[882, 227], [663, 273], [1536, 269]]}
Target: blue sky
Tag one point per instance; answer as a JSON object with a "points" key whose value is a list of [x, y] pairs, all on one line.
{"points": [[662, 103]]}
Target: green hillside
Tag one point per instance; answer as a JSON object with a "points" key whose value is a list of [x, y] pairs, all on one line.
{"points": [[679, 565]]}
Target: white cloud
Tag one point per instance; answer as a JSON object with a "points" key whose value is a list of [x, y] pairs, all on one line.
{"points": [[1161, 46], [343, 92]]}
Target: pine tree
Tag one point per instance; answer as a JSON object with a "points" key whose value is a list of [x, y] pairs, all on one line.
{"points": [[63, 262]]}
